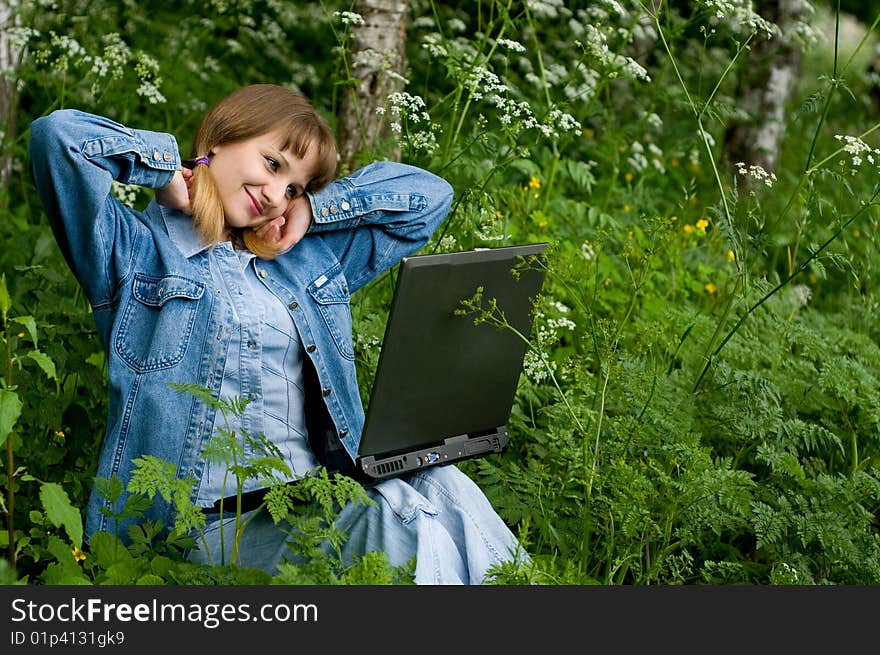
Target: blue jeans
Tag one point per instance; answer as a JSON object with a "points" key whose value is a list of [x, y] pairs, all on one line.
{"points": [[438, 515]]}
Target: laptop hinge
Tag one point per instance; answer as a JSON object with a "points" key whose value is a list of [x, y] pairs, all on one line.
{"points": [[453, 449]]}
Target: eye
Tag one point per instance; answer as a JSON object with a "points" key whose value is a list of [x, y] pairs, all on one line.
{"points": [[273, 164], [293, 191]]}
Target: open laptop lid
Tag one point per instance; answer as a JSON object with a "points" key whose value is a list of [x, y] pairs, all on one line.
{"points": [[438, 374]]}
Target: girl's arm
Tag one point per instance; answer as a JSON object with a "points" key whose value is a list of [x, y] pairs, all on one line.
{"points": [[75, 157], [378, 215]]}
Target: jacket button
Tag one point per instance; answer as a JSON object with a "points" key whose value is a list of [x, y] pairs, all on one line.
{"points": [[157, 155], [343, 433], [167, 156], [326, 391], [293, 305], [324, 211], [262, 272], [333, 209], [311, 348], [345, 206]]}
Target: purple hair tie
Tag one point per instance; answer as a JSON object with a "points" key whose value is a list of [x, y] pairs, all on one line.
{"points": [[202, 160]]}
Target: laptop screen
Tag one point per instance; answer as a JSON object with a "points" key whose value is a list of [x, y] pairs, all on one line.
{"points": [[438, 374]]}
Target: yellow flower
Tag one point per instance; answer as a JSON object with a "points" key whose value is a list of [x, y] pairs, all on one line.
{"points": [[626, 207], [535, 183], [710, 288], [689, 229], [59, 434], [588, 132], [730, 255], [21, 335], [856, 234], [78, 555], [542, 224], [702, 224], [499, 215], [628, 176]]}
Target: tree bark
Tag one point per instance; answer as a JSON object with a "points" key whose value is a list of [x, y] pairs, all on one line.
{"points": [[8, 64], [766, 89], [378, 61]]}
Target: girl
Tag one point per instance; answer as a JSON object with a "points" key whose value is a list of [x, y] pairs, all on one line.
{"points": [[237, 278]]}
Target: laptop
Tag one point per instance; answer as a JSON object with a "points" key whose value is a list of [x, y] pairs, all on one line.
{"points": [[444, 387]]}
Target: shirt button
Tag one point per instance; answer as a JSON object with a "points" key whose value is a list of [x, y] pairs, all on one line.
{"points": [[333, 209], [311, 348], [345, 206], [327, 391], [293, 305], [157, 155], [252, 345], [324, 211], [167, 156], [343, 433], [262, 272]]}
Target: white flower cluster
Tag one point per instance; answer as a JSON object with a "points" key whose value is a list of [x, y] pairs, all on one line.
{"points": [[546, 8], [639, 161], [348, 18], [112, 62], [537, 365], [410, 108], [740, 15], [146, 68], [125, 193], [757, 173], [857, 148], [595, 43], [513, 46], [18, 37], [587, 250], [432, 43]]}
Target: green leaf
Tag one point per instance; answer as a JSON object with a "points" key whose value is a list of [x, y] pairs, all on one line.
{"points": [[44, 362], [5, 300], [60, 511], [107, 549], [30, 324], [10, 410]]}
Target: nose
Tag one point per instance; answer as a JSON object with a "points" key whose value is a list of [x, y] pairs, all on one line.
{"points": [[275, 194]]}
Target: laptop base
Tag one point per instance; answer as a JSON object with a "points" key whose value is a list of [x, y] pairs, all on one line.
{"points": [[453, 449]]}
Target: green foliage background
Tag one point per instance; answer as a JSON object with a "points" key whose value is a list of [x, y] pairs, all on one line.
{"points": [[699, 403]]}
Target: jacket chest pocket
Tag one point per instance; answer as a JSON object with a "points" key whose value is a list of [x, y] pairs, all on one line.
{"points": [[157, 321], [330, 293]]}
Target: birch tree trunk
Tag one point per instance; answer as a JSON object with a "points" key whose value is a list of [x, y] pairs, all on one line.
{"points": [[8, 63], [766, 89], [377, 65]]}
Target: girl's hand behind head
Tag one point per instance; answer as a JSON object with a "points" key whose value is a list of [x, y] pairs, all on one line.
{"points": [[176, 194]]}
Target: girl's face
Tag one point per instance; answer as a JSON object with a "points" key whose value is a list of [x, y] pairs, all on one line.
{"points": [[257, 180]]}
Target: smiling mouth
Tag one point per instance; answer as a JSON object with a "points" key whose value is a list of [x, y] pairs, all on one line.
{"points": [[256, 207]]}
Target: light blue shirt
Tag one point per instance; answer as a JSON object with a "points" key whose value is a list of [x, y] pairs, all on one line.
{"points": [[263, 364]]}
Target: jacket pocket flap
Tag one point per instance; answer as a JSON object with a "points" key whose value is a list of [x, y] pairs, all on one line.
{"points": [[330, 287], [156, 291]]}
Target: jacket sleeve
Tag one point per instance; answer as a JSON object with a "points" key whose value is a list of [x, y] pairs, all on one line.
{"points": [[378, 215], [75, 157]]}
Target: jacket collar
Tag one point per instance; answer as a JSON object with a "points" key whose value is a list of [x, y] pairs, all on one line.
{"points": [[181, 230]]}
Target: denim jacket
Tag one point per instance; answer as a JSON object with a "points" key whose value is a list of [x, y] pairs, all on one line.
{"points": [[161, 321]]}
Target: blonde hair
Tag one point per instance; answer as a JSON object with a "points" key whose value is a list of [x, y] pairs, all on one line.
{"points": [[248, 112]]}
